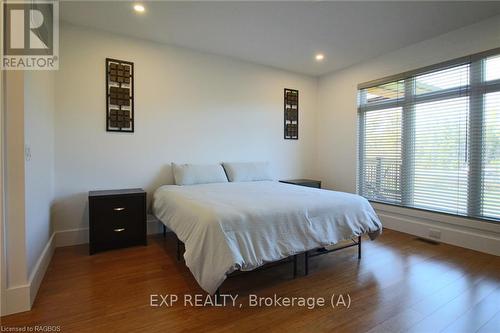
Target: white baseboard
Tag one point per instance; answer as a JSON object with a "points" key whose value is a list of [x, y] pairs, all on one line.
{"points": [[72, 237], [41, 266], [474, 239], [17, 299], [21, 298]]}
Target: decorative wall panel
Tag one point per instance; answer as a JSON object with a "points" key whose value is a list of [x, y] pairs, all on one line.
{"points": [[119, 96], [291, 105]]}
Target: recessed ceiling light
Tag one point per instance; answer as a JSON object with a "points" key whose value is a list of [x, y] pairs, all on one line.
{"points": [[139, 8], [319, 57]]}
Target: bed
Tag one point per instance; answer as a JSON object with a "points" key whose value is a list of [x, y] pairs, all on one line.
{"points": [[244, 225]]}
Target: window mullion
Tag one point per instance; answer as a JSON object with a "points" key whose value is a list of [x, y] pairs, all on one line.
{"points": [[408, 144], [361, 143], [475, 144]]}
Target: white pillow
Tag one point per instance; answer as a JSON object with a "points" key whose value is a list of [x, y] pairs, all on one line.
{"points": [[190, 174], [247, 172]]}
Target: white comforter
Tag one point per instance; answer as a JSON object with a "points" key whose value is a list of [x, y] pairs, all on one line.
{"points": [[229, 226]]}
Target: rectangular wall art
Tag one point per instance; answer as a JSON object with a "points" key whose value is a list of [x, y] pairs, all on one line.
{"points": [[291, 114], [119, 96]]}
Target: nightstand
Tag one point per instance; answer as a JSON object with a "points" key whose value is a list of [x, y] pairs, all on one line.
{"points": [[303, 182], [117, 219]]}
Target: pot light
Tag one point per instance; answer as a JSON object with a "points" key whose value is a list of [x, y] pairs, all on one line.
{"points": [[139, 8], [319, 57]]}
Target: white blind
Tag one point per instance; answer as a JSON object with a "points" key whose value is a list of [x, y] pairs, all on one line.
{"points": [[440, 161], [430, 139], [382, 155], [491, 156]]}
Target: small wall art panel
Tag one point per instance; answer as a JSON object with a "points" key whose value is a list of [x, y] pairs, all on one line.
{"points": [[119, 96], [291, 114]]}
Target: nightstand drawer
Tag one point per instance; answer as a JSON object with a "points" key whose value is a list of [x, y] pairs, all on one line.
{"points": [[115, 218], [117, 221]]}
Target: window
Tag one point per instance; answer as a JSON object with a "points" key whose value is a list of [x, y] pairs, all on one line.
{"points": [[439, 163], [492, 68], [430, 138], [382, 154]]}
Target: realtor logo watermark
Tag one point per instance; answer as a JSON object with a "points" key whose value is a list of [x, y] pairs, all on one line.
{"points": [[30, 35]]}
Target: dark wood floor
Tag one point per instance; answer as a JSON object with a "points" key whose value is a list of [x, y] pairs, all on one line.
{"points": [[401, 284]]}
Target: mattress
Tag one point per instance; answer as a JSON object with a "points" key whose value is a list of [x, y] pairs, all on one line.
{"points": [[244, 225]]}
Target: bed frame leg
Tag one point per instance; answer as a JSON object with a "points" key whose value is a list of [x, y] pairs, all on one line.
{"points": [[164, 231], [306, 263], [178, 250], [294, 266], [359, 247]]}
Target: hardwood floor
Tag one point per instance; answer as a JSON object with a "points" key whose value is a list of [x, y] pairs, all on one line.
{"points": [[401, 284]]}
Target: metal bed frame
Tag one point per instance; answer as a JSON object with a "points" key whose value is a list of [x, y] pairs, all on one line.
{"points": [[307, 255], [321, 251]]}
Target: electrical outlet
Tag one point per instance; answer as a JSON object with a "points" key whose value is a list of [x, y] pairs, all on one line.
{"points": [[435, 233], [27, 153]]}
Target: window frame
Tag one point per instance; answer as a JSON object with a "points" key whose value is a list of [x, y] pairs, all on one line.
{"points": [[476, 88]]}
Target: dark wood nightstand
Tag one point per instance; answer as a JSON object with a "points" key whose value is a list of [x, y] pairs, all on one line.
{"points": [[303, 182], [117, 218]]}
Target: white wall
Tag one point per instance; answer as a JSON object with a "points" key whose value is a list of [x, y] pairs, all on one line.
{"points": [[189, 107], [39, 110], [337, 118], [29, 122]]}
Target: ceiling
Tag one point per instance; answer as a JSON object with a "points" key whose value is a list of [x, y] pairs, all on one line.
{"points": [[285, 35]]}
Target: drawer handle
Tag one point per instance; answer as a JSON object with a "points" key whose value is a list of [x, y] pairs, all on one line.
{"points": [[119, 209], [119, 230]]}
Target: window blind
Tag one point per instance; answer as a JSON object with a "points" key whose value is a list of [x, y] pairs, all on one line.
{"points": [[430, 138], [491, 156]]}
